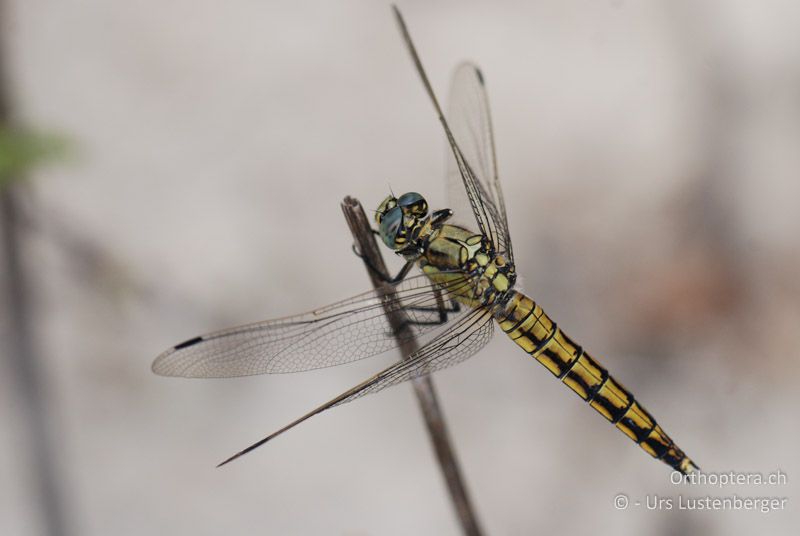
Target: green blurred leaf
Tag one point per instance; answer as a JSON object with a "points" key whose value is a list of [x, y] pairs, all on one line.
{"points": [[22, 149]]}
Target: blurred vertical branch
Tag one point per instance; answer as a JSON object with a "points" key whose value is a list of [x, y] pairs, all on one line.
{"points": [[18, 337], [423, 386]]}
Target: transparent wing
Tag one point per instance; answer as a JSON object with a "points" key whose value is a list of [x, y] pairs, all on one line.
{"points": [[471, 123], [462, 339], [487, 215], [340, 333], [459, 342]]}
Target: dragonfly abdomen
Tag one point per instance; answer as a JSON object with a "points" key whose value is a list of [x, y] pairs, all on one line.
{"points": [[527, 325]]}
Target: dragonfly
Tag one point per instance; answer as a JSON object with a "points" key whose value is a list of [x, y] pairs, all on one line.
{"points": [[466, 287]]}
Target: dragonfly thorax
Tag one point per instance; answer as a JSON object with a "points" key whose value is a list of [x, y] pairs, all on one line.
{"points": [[457, 254]]}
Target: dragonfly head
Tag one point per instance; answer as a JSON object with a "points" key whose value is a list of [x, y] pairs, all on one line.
{"points": [[401, 219]]}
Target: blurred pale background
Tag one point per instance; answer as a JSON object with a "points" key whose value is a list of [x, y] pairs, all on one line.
{"points": [[649, 153]]}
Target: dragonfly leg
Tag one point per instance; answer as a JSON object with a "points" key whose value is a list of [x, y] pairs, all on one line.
{"points": [[382, 276], [442, 309], [400, 275], [454, 307], [441, 216]]}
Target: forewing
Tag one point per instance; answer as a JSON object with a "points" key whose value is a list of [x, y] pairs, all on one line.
{"points": [[487, 215], [340, 333], [471, 123]]}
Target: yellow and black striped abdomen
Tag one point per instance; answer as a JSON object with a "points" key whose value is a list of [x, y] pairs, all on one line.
{"points": [[528, 326]]}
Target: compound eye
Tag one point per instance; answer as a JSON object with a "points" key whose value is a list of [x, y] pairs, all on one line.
{"points": [[413, 204], [385, 206], [390, 225]]}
